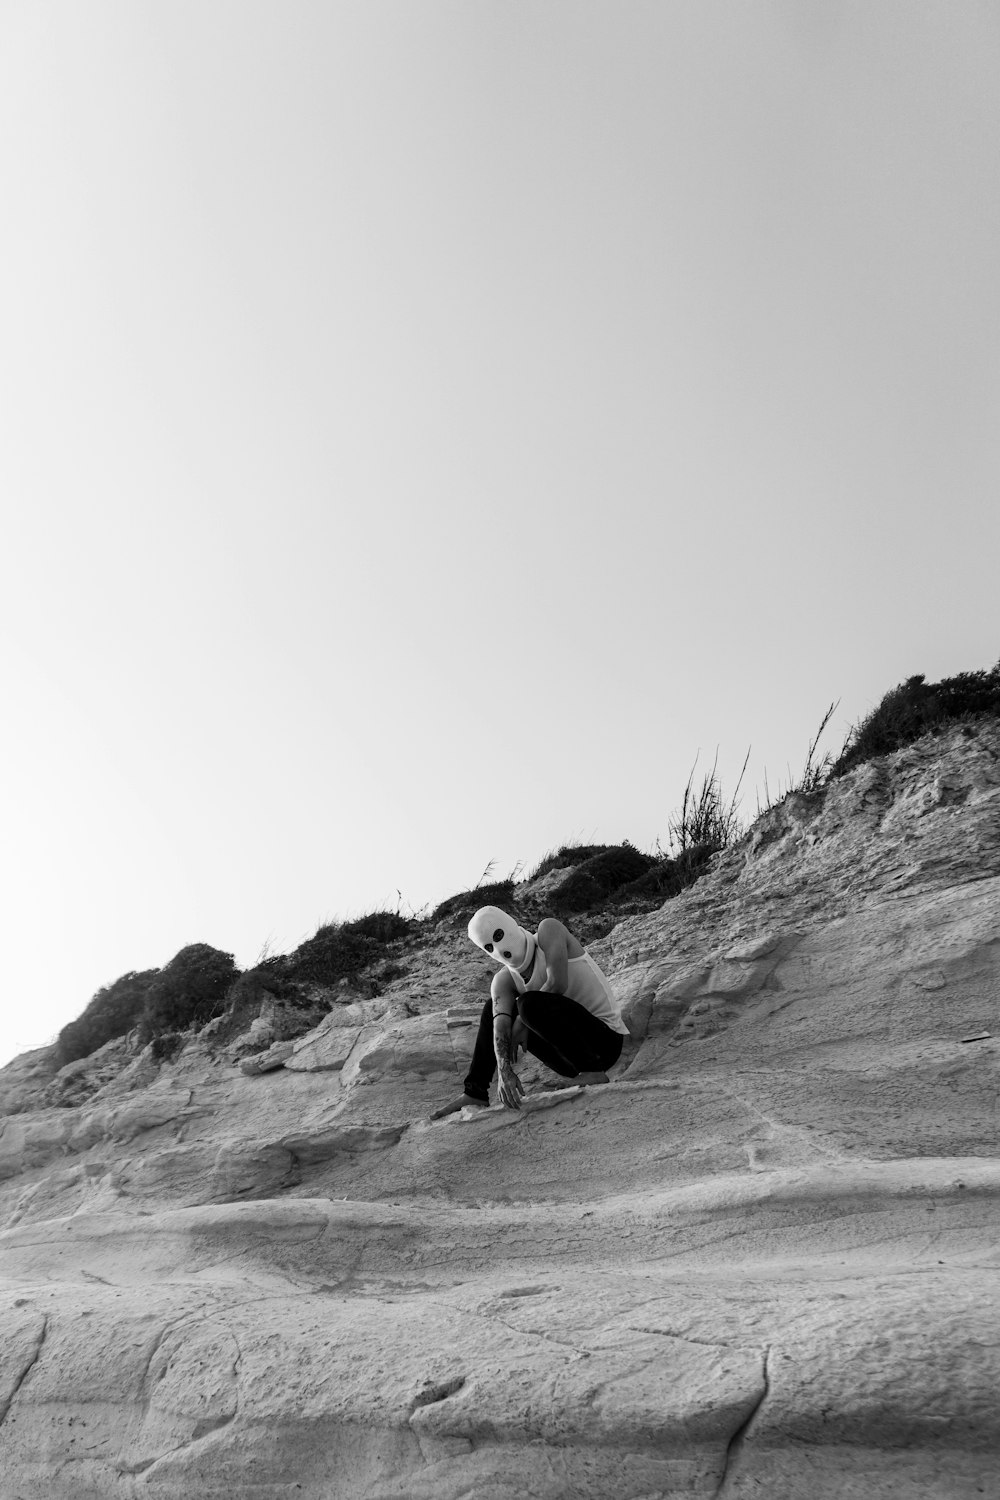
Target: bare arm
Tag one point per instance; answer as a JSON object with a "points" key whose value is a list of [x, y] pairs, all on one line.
{"points": [[554, 940], [504, 993]]}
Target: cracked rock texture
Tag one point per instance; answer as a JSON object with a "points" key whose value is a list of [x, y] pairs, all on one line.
{"points": [[762, 1261]]}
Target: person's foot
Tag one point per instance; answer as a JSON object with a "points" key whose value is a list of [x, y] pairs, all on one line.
{"points": [[583, 1079], [460, 1103]]}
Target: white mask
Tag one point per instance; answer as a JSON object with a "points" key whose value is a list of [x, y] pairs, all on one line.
{"points": [[500, 936]]}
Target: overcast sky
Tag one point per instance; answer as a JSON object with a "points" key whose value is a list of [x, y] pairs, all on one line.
{"points": [[426, 426]]}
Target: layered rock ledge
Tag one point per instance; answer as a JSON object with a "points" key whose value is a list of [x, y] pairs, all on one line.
{"points": [[762, 1260]]}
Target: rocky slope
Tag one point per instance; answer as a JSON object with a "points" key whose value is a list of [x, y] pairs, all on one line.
{"points": [[763, 1260]]}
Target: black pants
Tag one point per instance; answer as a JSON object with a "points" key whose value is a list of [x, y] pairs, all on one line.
{"points": [[561, 1034]]}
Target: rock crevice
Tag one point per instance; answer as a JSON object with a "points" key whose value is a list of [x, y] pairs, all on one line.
{"points": [[735, 1445]]}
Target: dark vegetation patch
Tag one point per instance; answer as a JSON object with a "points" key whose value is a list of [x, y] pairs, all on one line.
{"points": [[497, 894], [707, 818], [189, 991], [382, 926], [167, 1044], [566, 856], [598, 877], [332, 953], [915, 708], [668, 877], [252, 989], [112, 1012], [336, 951], [202, 984]]}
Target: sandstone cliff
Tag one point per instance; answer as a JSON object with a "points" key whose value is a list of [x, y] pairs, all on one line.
{"points": [[761, 1261]]}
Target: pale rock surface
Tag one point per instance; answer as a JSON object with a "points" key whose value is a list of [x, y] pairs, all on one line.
{"points": [[23, 1080], [762, 1261], [275, 1056]]}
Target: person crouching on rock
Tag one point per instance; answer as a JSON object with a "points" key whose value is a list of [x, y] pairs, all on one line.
{"points": [[549, 997]]}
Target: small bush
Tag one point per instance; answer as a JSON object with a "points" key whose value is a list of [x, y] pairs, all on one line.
{"points": [[565, 856], [382, 926], [916, 707], [167, 1045], [113, 1011], [248, 989], [668, 877], [332, 953], [469, 901], [188, 991], [705, 817], [599, 876]]}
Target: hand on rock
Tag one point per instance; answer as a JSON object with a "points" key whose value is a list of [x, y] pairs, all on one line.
{"points": [[511, 1088]]}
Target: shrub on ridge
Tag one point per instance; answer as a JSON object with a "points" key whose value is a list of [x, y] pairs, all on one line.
{"points": [[188, 991], [112, 1012], [916, 707], [599, 876]]}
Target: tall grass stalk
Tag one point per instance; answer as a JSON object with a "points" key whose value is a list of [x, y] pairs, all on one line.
{"points": [[815, 773], [706, 819]]}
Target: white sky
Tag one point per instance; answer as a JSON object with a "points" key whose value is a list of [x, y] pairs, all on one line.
{"points": [[426, 425]]}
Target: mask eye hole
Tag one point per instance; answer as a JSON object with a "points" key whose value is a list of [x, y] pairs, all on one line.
{"points": [[498, 935], [506, 953], [488, 947]]}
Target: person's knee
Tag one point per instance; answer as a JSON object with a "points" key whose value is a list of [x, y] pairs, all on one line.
{"points": [[531, 1008]]}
